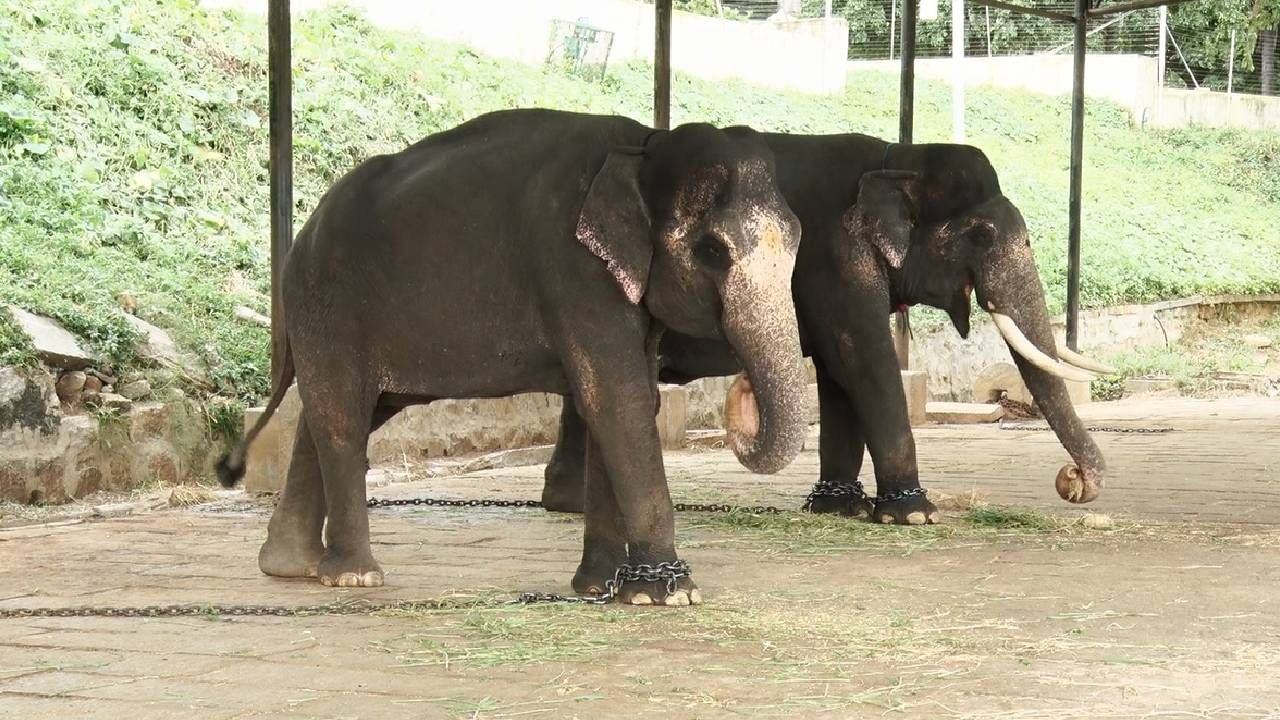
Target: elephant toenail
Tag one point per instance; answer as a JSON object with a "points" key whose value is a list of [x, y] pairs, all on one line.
{"points": [[641, 599], [934, 517], [679, 598], [886, 519], [695, 597], [916, 518]]}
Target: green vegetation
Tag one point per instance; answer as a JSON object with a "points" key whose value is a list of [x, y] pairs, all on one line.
{"points": [[133, 157]]}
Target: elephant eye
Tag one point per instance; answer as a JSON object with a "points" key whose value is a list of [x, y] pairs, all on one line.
{"points": [[712, 252]]}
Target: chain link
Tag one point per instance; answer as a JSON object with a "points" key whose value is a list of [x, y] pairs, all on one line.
{"points": [[1090, 428], [854, 491], [499, 502], [340, 607]]}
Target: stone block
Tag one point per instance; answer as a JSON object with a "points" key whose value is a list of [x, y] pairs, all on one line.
{"points": [[52, 342], [1079, 392], [673, 419], [952, 413], [1004, 378], [28, 400], [148, 421], [1150, 386], [267, 463], [915, 383]]}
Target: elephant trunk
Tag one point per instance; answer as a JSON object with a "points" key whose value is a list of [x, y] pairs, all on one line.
{"points": [[765, 410], [1016, 302]]}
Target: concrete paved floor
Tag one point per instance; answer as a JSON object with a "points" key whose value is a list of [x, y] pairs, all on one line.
{"points": [[1173, 612]]}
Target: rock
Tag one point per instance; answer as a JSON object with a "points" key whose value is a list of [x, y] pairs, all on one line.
{"points": [[1257, 340], [148, 421], [110, 401], [159, 348], [1001, 378], [70, 385], [92, 384], [52, 342], [248, 314], [28, 399], [963, 413], [136, 390], [104, 377], [1150, 386]]}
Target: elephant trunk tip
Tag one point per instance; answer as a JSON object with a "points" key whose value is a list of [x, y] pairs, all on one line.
{"points": [[743, 423], [1078, 486]]}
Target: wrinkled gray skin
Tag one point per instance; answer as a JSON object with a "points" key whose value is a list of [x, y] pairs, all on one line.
{"points": [[532, 250], [884, 226]]}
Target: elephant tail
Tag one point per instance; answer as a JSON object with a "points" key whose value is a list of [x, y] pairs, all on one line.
{"points": [[230, 466]]}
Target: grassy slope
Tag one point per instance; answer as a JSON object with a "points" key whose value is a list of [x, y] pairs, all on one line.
{"points": [[133, 158]]}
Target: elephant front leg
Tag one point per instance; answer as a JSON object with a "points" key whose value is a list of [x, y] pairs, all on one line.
{"points": [[564, 482], [628, 505], [841, 446]]}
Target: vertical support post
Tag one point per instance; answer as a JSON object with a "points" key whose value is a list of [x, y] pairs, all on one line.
{"points": [[280, 109], [893, 25], [1160, 59], [907, 88], [826, 11], [662, 64], [957, 71], [1077, 173], [1231, 65], [906, 125]]}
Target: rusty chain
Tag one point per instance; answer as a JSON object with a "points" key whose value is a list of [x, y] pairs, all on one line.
{"points": [[1090, 428]]}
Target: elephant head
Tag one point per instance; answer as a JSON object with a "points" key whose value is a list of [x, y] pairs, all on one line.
{"points": [[692, 225], [947, 233]]}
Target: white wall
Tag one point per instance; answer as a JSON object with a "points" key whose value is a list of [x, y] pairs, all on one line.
{"points": [[806, 55], [1129, 80], [1180, 108]]}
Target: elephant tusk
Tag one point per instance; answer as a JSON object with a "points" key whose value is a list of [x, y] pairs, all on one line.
{"points": [[1071, 356], [1024, 347]]}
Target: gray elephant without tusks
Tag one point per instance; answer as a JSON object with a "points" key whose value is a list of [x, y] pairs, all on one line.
{"points": [[533, 250], [885, 226]]}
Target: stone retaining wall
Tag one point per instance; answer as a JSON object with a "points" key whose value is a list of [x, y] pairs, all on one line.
{"points": [[46, 457]]}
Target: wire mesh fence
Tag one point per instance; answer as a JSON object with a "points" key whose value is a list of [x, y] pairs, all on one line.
{"points": [[579, 48], [1225, 58]]}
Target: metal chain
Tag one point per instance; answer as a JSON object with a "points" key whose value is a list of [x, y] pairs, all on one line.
{"points": [[668, 572], [499, 502], [855, 491], [1090, 428]]}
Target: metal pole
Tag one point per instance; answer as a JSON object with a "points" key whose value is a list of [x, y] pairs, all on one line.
{"points": [[280, 109], [907, 89], [957, 71], [906, 123], [827, 10], [893, 24], [1231, 65], [1077, 171], [662, 64]]}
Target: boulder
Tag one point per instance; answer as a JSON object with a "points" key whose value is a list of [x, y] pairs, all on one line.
{"points": [[52, 342], [158, 348], [70, 385], [1257, 341], [136, 390], [28, 400]]}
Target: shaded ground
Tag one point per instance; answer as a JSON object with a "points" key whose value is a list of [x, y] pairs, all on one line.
{"points": [[1171, 610]]}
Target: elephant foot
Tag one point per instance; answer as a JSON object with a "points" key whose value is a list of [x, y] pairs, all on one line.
{"points": [[598, 567], [680, 593], [846, 499], [563, 489], [911, 509], [291, 557], [349, 570]]}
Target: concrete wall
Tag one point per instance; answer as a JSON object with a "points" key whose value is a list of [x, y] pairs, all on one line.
{"points": [[1129, 80], [1182, 108], [805, 55], [953, 364]]}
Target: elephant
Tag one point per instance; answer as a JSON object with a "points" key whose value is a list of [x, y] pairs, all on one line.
{"points": [[533, 250], [885, 226]]}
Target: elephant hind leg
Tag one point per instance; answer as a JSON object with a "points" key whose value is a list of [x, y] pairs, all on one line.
{"points": [[293, 547], [564, 484], [339, 417]]}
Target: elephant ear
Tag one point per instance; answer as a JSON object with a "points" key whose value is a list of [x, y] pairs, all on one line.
{"points": [[885, 212], [614, 223]]}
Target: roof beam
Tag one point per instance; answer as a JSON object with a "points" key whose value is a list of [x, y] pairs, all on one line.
{"points": [[1012, 7]]}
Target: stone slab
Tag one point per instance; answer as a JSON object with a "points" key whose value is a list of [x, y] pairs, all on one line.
{"points": [[952, 413], [53, 343], [915, 383]]}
